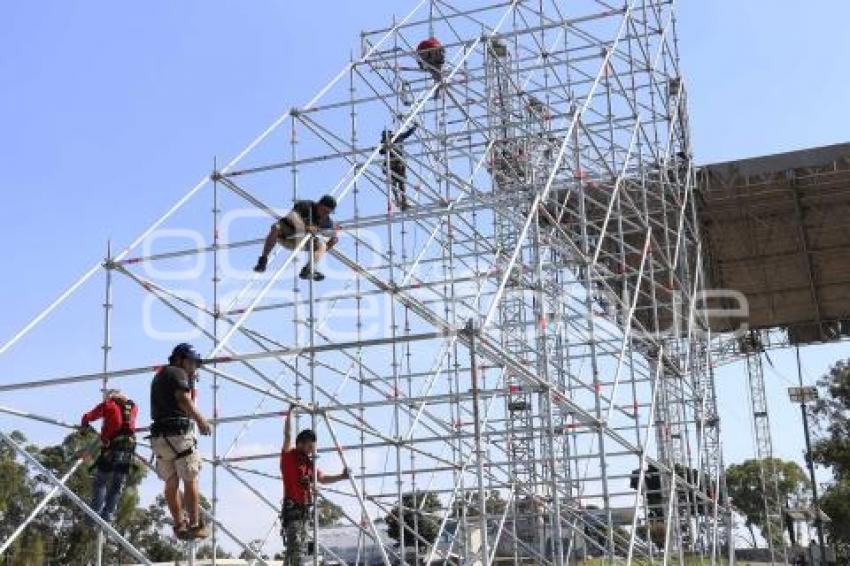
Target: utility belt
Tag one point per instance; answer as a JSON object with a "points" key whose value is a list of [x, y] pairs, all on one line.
{"points": [[174, 426], [293, 511], [117, 456]]}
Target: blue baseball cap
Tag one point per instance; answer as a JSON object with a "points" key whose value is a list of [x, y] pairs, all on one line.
{"points": [[185, 350]]}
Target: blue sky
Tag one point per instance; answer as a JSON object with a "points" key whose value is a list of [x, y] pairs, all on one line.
{"points": [[109, 111]]}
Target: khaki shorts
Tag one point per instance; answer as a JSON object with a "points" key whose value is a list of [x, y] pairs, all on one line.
{"points": [[289, 240], [166, 449]]}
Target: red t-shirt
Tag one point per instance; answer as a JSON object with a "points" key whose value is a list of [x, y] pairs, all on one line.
{"points": [[297, 472], [110, 411]]}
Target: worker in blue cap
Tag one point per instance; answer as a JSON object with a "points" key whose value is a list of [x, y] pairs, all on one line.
{"points": [[173, 412]]}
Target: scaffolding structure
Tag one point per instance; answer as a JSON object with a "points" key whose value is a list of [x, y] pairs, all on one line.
{"points": [[530, 327]]}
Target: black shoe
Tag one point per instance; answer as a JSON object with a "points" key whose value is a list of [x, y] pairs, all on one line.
{"points": [[261, 264], [305, 273]]}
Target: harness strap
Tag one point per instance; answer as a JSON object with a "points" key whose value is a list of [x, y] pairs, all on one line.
{"points": [[181, 453]]}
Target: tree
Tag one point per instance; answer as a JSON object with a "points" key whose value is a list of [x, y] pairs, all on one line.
{"points": [[329, 512], [494, 504], [60, 534], [419, 511], [832, 450], [17, 497], [744, 484], [206, 551]]}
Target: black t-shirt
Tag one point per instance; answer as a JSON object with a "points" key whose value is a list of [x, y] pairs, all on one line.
{"points": [[306, 209], [166, 383]]}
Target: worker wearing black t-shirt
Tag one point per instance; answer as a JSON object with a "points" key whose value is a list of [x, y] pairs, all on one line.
{"points": [[303, 223], [394, 164], [173, 441]]}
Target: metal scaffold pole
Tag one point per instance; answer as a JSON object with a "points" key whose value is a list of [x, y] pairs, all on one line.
{"points": [[507, 349]]}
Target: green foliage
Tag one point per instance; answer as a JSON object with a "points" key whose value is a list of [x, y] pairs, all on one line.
{"points": [[832, 449], [744, 483], [60, 535], [494, 505], [419, 515], [329, 512]]}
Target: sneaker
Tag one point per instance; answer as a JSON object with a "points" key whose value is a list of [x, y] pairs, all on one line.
{"points": [[305, 274], [181, 531], [261, 264], [201, 530]]}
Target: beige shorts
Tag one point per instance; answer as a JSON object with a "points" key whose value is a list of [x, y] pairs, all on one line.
{"points": [[290, 242], [167, 448]]}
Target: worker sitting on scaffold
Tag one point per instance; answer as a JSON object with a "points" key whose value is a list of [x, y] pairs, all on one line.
{"points": [[304, 222], [296, 467]]}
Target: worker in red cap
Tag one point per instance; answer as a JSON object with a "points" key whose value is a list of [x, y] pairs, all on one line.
{"points": [[117, 447], [431, 56]]}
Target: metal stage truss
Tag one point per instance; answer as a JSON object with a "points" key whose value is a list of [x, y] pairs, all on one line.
{"points": [[531, 324]]}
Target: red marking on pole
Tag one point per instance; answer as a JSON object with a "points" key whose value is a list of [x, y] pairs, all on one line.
{"points": [[458, 424], [597, 387], [514, 389]]}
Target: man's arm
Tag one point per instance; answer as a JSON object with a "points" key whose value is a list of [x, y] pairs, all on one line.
{"points": [[184, 401], [333, 240], [406, 134], [92, 415], [333, 478], [287, 430]]}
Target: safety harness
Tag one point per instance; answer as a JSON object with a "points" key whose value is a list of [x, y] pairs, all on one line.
{"points": [[175, 426], [117, 454]]}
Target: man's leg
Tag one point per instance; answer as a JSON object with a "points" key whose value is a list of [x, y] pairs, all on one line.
{"points": [[268, 246], [309, 270], [193, 500], [113, 495], [172, 498], [295, 530], [99, 490], [400, 185]]}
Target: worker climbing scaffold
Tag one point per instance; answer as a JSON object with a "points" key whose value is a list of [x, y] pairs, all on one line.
{"points": [[394, 164], [299, 477], [431, 56], [305, 221], [117, 448], [173, 440]]}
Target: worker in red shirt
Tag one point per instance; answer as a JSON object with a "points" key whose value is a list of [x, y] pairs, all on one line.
{"points": [[117, 447], [296, 467]]}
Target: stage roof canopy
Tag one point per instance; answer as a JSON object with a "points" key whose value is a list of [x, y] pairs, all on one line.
{"points": [[777, 228]]}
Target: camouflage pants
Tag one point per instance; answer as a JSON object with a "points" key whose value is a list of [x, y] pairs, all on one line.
{"points": [[294, 531]]}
